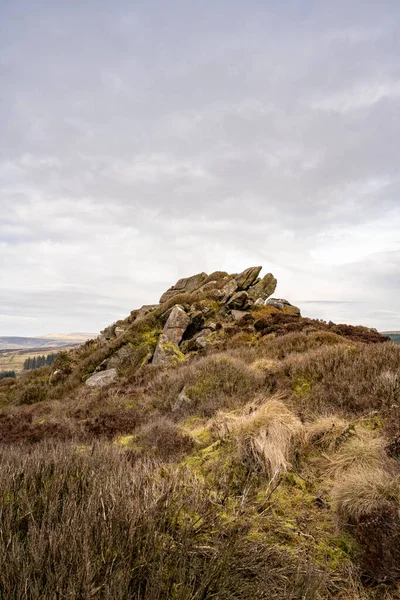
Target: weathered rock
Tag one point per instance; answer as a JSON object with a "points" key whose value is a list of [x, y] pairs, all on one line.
{"points": [[259, 302], [229, 288], [281, 303], [238, 314], [184, 285], [264, 288], [119, 331], [238, 301], [248, 277], [167, 353], [182, 401], [176, 324], [200, 340], [145, 310], [102, 379], [121, 355]]}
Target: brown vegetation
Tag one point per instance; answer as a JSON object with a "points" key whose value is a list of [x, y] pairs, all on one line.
{"points": [[265, 465]]}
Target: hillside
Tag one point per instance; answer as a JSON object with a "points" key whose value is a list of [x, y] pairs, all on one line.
{"points": [[214, 445]]}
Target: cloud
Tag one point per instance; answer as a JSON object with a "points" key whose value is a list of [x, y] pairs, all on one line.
{"points": [[141, 144]]}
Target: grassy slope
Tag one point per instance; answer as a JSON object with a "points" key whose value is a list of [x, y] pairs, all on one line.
{"points": [[231, 475]]}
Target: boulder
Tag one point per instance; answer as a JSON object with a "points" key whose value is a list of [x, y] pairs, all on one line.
{"points": [[121, 355], [167, 353], [99, 380], [183, 286], [238, 301], [229, 288], [145, 310], [119, 331], [176, 324], [264, 288], [200, 340], [247, 278], [281, 303]]}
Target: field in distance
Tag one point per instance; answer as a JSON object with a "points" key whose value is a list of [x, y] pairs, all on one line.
{"points": [[15, 350], [13, 360], [50, 340]]}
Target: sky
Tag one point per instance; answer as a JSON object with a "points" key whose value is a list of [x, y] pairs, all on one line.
{"points": [[144, 141]]}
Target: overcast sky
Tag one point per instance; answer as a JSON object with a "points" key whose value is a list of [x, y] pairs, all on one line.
{"points": [[143, 141]]}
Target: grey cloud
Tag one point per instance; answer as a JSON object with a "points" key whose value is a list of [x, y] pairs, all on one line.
{"points": [[144, 142]]}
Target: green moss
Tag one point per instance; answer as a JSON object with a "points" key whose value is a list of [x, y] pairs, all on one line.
{"points": [[220, 466], [302, 387], [174, 354]]}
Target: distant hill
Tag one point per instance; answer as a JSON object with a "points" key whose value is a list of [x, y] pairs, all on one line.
{"points": [[394, 335], [52, 340]]}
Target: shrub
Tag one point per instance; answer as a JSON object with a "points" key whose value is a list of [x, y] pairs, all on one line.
{"points": [[328, 433], [367, 503], [211, 383], [342, 377], [363, 450], [85, 523], [266, 435], [164, 439]]}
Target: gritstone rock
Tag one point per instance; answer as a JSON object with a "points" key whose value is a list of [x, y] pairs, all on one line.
{"points": [[101, 379], [167, 351], [281, 303], [264, 288], [187, 284], [248, 277], [238, 301]]}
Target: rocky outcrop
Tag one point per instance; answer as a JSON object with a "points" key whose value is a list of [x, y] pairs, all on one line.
{"points": [[183, 286], [239, 301], [167, 353], [264, 288], [171, 336], [247, 278], [99, 380], [228, 289]]}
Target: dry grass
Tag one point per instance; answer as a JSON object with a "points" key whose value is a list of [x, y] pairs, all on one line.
{"points": [[85, 523], [363, 491], [342, 378], [328, 433], [267, 435], [364, 451], [210, 383], [367, 502]]}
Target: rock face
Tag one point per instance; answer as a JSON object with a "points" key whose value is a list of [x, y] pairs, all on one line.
{"points": [[102, 379], [238, 301], [176, 324], [167, 349], [264, 288], [187, 284], [247, 278], [167, 353], [229, 288]]}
